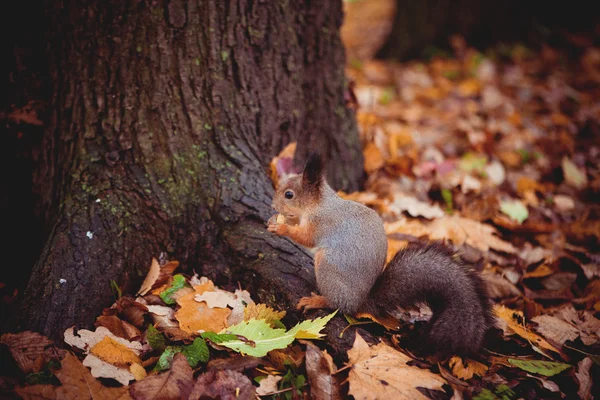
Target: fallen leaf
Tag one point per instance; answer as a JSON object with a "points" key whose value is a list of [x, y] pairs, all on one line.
{"points": [[176, 383], [260, 338], [568, 324], [118, 327], [77, 383], [573, 175], [546, 368], [194, 316], [262, 311], [138, 371], [584, 378], [85, 339], [373, 158], [103, 369], [515, 210], [114, 353], [27, 348], [223, 384], [456, 229], [235, 362], [216, 299], [380, 372], [563, 202], [321, 370], [465, 368], [268, 385], [151, 277], [508, 322], [498, 287], [414, 207]]}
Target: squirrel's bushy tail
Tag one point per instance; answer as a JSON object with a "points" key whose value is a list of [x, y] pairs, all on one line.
{"points": [[434, 275]]}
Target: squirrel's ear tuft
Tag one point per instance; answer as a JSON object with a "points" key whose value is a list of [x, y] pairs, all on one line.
{"points": [[313, 170]]}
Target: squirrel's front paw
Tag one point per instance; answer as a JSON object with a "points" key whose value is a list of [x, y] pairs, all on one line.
{"points": [[311, 303], [275, 226]]}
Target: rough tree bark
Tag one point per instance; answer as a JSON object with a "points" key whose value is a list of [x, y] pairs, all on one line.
{"points": [[164, 117]]}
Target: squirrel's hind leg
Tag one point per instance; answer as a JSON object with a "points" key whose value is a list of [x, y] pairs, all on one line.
{"points": [[313, 302]]}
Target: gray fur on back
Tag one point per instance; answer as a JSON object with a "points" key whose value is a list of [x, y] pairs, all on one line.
{"points": [[354, 245]]}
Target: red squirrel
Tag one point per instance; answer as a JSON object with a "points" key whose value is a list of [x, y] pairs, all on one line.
{"points": [[350, 246]]}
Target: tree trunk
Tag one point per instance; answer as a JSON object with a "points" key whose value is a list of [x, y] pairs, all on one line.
{"points": [[164, 117]]}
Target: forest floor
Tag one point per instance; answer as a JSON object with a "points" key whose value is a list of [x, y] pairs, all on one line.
{"points": [[495, 152]]}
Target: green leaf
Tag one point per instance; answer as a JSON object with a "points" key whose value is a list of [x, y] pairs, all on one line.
{"points": [[447, 196], [217, 338], [546, 368], [115, 289], [166, 358], [262, 338], [516, 210], [472, 162], [196, 352], [311, 329], [178, 283], [155, 338], [387, 96]]}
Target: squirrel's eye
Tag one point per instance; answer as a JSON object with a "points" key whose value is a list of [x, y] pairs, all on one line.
{"points": [[289, 194]]}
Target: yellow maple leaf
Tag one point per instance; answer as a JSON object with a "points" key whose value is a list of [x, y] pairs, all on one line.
{"points": [[114, 352], [466, 368], [262, 311]]}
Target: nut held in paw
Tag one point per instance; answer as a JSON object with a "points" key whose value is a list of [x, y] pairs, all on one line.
{"points": [[281, 219]]}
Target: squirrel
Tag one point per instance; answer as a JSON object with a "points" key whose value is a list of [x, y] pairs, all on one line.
{"points": [[350, 246]]}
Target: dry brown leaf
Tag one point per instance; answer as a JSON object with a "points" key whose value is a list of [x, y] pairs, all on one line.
{"points": [[28, 348], [394, 246], [539, 272], [102, 369], [291, 355], [584, 378], [498, 287], [194, 316], [77, 383], [223, 384], [568, 324], [114, 353], [268, 385], [373, 158], [321, 370], [153, 274], [414, 207], [508, 322], [262, 311], [456, 229], [163, 317], [118, 327], [176, 383], [234, 362], [380, 372], [465, 369]]}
